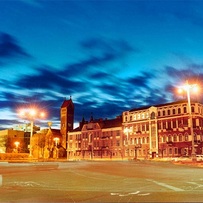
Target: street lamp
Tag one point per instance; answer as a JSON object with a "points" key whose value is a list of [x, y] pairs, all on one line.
{"points": [[31, 114], [188, 88], [56, 140]]}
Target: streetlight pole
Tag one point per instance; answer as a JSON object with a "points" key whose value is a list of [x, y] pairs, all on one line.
{"points": [[31, 114], [188, 88], [193, 154], [31, 134]]}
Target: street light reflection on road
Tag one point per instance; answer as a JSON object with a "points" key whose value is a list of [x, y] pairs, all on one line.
{"points": [[31, 114]]}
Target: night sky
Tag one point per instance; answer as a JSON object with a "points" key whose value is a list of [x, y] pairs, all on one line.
{"points": [[108, 55]]}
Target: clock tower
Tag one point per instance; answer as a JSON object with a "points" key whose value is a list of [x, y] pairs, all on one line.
{"points": [[67, 119]]}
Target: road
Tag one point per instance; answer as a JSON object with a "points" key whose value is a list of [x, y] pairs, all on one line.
{"points": [[127, 181]]}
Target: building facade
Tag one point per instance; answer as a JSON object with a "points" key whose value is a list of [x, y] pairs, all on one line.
{"points": [[97, 139], [155, 131], [163, 130], [14, 141], [67, 119]]}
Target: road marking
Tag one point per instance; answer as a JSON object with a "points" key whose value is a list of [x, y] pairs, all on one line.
{"points": [[1, 180], [131, 193], [123, 195], [134, 193], [167, 186], [193, 183], [115, 193], [145, 194]]}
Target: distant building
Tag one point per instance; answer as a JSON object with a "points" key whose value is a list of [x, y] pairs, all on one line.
{"points": [[8, 139], [162, 130], [47, 144]]}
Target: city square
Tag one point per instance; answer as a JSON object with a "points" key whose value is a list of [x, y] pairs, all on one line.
{"points": [[107, 181], [101, 101]]}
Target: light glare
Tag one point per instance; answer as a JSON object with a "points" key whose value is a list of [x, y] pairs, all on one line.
{"points": [[32, 112], [42, 114], [188, 88], [180, 90]]}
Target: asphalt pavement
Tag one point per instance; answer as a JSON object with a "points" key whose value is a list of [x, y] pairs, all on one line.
{"points": [[107, 181]]}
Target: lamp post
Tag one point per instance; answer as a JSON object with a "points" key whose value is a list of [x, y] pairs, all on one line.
{"points": [[56, 140], [31, 114], [188, 88]]}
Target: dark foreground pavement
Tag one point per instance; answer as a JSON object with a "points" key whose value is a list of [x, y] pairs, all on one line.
{"points": [[125, 181]]}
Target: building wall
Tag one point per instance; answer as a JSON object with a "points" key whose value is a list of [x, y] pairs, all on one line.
{"points": [[169, 132], [156, 131], [93, 142], [9, 137], [67, 119]]}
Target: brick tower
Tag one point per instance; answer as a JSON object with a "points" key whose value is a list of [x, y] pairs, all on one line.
{"points": [[67, 119]]}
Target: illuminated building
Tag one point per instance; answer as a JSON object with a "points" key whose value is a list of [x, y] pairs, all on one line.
{"points": [[67, 119], [97, 139], [163, 130], [155, 131]]}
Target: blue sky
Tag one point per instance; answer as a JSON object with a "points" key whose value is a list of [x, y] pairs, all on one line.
{"points": [[110, 56]]}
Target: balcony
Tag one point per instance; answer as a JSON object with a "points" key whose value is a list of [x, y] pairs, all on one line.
{"points": [[169, 143], [105, 137], [105, 147]]}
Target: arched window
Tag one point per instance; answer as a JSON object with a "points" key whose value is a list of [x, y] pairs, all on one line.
{"points": [[179, 110], [180, 137], [169, 138], [139, 140], [147, 139], [143, 140], [153, 115], [174, 123]]}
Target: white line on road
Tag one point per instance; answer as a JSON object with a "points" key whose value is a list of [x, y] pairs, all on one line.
{"points": [[1, 180], [193, 183], [167, 186]]}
